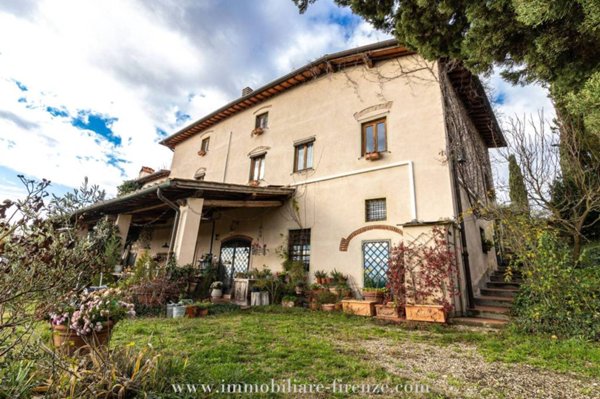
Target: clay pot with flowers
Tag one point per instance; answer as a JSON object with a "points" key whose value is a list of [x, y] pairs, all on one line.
{"points": [[87, 318]]}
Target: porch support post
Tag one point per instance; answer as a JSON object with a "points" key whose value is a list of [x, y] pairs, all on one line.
{"points": [[123, 222], [190, 216]]}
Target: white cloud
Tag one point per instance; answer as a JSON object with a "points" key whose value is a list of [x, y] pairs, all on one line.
{"points": [[143, 63]]}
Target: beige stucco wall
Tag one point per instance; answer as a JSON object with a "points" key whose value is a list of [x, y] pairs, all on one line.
{"points": [[325, 108], [331, 197]]}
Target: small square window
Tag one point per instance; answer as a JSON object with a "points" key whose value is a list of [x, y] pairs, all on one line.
{"points": [[303, 156], [204, 145], [375, 210], [262, 121], [257, 168]]}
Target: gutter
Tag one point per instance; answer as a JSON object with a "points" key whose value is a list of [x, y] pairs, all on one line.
{"points": [[171, 205], [307, 67]]}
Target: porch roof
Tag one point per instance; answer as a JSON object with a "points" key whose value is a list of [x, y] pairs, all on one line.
{"points": [[216, 195]]}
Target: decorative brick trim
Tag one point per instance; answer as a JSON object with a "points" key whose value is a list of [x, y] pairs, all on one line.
{"points": [[344, 242]]}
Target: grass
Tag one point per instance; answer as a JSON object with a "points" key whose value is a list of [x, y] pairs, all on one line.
{"points": [[257, 345]]}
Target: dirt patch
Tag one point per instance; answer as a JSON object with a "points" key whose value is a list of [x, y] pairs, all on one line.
{"points": [[459, 371]]}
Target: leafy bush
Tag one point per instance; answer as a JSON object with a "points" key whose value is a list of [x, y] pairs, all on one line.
{"points": [[117, 373], [423, 272], [556, 297], [590, 256]]}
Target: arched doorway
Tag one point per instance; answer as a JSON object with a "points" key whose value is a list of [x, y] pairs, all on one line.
{"points": [[234, 258]]}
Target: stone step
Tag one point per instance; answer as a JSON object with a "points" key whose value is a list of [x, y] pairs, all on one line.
{"points": [[488, 300], [490, 312], [502, 284], [508, 292], [494, 277], [479, 322]]}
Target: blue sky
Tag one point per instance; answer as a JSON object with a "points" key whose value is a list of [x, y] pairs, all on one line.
{"points": [[89, 88]]}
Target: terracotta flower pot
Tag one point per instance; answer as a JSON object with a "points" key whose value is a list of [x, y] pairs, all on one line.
{"points": [[67, 339], [287, 304], [328, 307], [373, 156], [191, 311], [373, 296], [202, 312], [258, 131]]}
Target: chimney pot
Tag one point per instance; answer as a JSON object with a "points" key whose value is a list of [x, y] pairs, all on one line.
{"points": [[246, 91], [145, 171]]}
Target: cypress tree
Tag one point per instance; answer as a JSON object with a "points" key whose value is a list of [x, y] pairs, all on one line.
{"points": [[516, 184]]}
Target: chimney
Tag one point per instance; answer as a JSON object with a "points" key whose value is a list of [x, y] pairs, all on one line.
{"points": [[246, 91], [145, 171]]}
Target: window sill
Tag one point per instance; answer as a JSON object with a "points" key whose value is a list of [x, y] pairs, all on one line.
{"points": [[380, 152], [303, 171]]}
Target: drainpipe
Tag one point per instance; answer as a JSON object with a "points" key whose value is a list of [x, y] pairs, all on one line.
{"points": [[171, 205], [227, 158], [463, 239]]}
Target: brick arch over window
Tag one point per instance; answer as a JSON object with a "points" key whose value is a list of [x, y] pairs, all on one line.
{"points": [[234, 237], [344, 242]]}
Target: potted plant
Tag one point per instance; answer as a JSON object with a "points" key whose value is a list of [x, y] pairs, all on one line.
{"points": [[203, 308], [216, 290], [288, 301], [201, 153], [299, 288], [88, 318], [258, 131], [374, 294], [372, 156], [339, 278], [320, 276], [326, 300]]}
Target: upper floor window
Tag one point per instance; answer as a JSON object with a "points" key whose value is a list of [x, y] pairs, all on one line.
{"points": [[262, 120], [257, 167], [374, 136], [303, 156], [375, 210], [204, 145]]}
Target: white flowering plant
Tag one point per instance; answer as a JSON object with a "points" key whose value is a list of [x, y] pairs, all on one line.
{"points": [[91, 311]]}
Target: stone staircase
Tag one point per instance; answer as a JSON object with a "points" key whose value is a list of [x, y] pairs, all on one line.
{"points": [[492, 306]]}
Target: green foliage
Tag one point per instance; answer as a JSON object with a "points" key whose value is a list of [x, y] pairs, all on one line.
{"points": [[123, 372], [590, 256], [586, 102], [556, 297], [17, 379], [518, 191], [85, 195], [325, 296], [43, 256], [128, 186], [554, 42]]}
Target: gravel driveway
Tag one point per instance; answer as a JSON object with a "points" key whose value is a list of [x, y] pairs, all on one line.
{"points": [[459, 371]]}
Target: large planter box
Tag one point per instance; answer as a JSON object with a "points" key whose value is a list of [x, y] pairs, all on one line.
{"points": [[386, 311], [430, 313], [358, 307]]}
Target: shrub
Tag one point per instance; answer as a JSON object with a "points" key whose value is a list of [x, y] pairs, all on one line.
{"points": [[556, 297], [590, 256], [325, 297], [423, 272]]}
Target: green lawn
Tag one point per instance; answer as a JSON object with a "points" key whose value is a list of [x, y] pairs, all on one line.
{"points": [[254, 346]]}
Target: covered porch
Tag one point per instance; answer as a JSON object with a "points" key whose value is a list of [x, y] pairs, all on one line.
{"points": [[171, 218]]}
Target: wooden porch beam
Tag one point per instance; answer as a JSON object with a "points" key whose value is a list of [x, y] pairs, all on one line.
{"points": [[242, 204]]}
